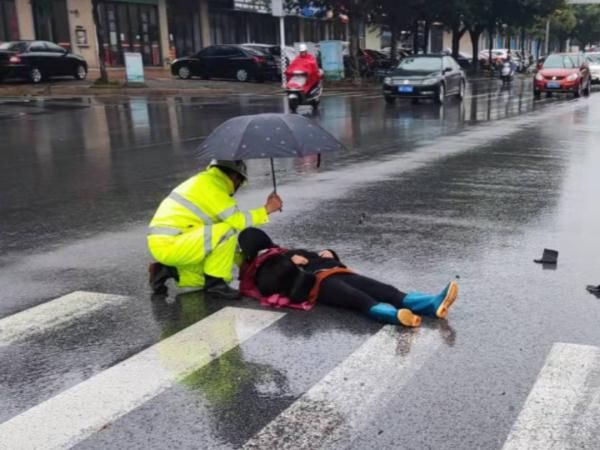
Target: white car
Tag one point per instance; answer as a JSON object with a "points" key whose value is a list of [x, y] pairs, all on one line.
{"points": [[594, 63]]}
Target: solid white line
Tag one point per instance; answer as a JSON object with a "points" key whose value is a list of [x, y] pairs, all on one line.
{"points": [[77, 413], [53, 314], [331, 413], [562, 409]]}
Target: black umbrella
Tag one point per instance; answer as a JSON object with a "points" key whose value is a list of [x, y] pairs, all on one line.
{"points": [[268, 136]]}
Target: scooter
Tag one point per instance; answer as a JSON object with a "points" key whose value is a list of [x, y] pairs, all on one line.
{"points": [[300, 93], [507, 73]]}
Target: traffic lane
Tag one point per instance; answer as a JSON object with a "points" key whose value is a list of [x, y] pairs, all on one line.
{"points": [[113, 158], [482, 216], [446, 219]]}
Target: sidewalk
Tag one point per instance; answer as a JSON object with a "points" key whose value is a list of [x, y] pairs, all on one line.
{"points": [[159, 81]]}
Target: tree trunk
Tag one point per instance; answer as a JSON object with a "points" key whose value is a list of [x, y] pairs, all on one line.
{"points": [[426, 31], [415, 31], [491, 45], [354, 45], [99, 38], [394, 43], [522, 41], [456, 35], [475, 33]]}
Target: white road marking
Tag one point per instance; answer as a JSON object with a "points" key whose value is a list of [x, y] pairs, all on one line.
{"points": [[330, 413], [53, 314], [562, 410], [77, 413]]}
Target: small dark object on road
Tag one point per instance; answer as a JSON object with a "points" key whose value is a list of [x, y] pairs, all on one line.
{"points": [[549, 257], [594, 290]]}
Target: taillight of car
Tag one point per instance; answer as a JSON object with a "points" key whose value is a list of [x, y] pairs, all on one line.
{"points": [[258, 59], [14, 60]]}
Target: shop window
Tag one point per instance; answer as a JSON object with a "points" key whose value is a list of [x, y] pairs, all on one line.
{"points": [[129, 27], [9, 28], [51, 21]]}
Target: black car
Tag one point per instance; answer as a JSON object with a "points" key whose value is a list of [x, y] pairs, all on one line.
{"points": [[39, 60], [425, 76], [226, 61]]}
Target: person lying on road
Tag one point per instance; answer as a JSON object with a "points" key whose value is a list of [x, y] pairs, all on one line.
{"points": [[305, 277], [193, 234]]}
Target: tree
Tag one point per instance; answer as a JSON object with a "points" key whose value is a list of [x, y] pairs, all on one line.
{"points": [[587, 27], [100, 40]]}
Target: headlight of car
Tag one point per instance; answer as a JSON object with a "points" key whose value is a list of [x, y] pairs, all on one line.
{"points": [[430, 81], [572, 77], [388, 81], [539, 77]]}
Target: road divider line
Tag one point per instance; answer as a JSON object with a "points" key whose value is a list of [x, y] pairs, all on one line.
{"points": [[68, 418], [332, 412], [562, 409], [53, 314]]}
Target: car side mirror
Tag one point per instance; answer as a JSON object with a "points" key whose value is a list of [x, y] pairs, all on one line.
{"points": [[448, 69]]}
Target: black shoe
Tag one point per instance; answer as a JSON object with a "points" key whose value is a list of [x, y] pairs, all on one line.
{"points": [[159, 274], [217, 288]]}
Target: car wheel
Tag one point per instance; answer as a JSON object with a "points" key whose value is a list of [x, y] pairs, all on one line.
{"points": [[35, 75], [242, 75], [461, 90], [390, 100], [184, 73], [81, 72], [441, 94], [415, 101]]}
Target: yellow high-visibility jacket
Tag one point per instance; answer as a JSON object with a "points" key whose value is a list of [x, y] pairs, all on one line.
{"points": [[202, 201]]}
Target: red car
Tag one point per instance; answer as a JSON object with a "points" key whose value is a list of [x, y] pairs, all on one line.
{"points": [[563, 72]]}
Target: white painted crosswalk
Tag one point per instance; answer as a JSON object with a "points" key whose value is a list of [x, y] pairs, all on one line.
{"points": [[332, 411], [562, 410], [75, 414], [53, 314]]}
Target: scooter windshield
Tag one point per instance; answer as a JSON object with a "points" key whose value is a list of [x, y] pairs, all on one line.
{"points": [[298, 80]]}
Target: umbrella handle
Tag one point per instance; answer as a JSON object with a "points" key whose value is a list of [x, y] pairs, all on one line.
{"points": [[273, 175]]}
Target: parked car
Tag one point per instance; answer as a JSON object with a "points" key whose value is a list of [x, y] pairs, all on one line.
{"points": [[39, 60], [226, 61], [464, 60], [425, 76], [499, 55], [290, 53], [563, 72], [594, 64]]}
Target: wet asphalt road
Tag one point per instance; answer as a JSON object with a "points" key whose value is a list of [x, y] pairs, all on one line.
{"points": [[471, 191]]}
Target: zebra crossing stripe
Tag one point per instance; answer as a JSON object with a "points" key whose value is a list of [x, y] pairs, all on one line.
{"points": [[563, 407], [329, 414], [73, 415], [53, 314]]}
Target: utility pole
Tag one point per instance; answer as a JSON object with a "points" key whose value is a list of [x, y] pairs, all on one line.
{"points": [[277, 9]]}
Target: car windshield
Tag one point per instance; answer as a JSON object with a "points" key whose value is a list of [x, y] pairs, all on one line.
{"points": [[256, 52], [424, 64], [594, 59], [14, 46], [560, 62]]}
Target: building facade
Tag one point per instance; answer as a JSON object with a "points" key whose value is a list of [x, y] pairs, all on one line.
{"points": [[160, 30]]}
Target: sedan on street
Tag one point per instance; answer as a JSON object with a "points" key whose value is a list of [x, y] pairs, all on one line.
{"points": [[594, 63], [425, 76], [565, 73], [39, 60], [226, 61]]}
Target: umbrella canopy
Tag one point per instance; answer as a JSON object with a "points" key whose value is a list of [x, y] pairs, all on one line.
{"points": [[268, 136]]}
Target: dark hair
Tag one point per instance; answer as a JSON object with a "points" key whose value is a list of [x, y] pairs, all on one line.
{"points": [[276, 276], [252, 241]]}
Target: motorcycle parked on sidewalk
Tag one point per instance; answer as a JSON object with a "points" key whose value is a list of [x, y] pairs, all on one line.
{"points": [[302, 92]]}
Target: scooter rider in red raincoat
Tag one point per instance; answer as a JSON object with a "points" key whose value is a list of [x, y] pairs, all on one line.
{"points": [[304, 80], [305, 62]]}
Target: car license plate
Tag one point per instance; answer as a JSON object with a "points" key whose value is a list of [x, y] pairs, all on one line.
{"points": [[553, 85], [405, 89]]}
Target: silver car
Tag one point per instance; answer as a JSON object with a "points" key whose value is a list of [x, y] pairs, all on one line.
{"points": [[594, 63]]}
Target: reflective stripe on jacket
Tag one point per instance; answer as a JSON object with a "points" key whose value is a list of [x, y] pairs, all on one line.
{"points": [[204, 199]]}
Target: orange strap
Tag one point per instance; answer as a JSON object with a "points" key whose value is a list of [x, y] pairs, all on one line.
{"points": [[322, 276]]}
